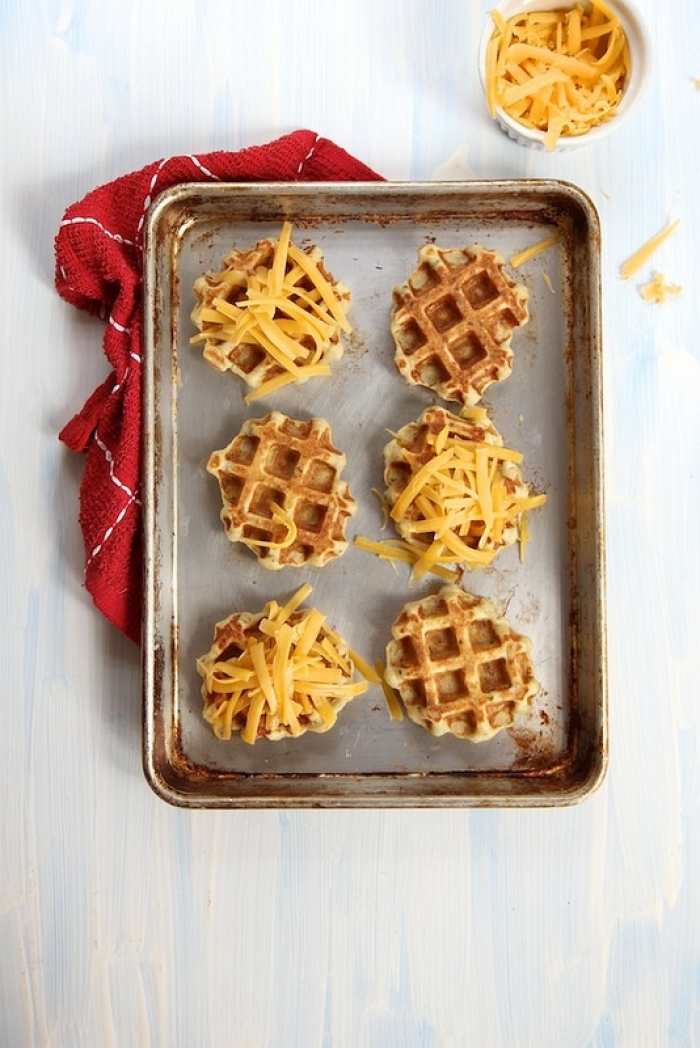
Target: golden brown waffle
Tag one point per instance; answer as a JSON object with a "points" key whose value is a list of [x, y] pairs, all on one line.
{"points": [[275, 674], [453, 319], [282, 493], [459, 666], [271, 325], [477, 499]]}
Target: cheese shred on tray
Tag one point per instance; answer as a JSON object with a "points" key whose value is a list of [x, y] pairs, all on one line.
{"points": [[273, 314], [278, 673], [560, 72]]}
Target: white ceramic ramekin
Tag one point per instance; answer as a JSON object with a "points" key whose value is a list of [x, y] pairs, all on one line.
{"points": [[639, 43]]}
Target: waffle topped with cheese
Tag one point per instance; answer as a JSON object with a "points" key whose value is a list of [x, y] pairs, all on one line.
{"points": [[282, 492], [453, 319], [277, 673], [459, 666], [456, 494], [273, 314]]}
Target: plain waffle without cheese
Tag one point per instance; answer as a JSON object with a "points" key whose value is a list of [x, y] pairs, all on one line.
{"points": [[459, 666], [453, 319], [282, 493]]}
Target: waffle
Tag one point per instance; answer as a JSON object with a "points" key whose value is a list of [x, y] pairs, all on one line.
{"points": [[282, 493], [277, 673], [477, 499], [459, 666], [453, 319], [272, 315]]}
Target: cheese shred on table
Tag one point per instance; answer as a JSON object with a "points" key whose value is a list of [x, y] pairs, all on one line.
{"points": [[293, 671], [560, 72], [658, 289]]}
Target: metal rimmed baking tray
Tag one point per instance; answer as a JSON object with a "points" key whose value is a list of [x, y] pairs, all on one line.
{"points": [[550, 408]]}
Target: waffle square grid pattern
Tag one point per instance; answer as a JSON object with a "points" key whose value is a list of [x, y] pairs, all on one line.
{"points": [[459, 666], [453, 319], [282, 493]]}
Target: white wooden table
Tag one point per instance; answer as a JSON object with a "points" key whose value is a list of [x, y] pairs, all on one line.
{"points": [[125, 922]]}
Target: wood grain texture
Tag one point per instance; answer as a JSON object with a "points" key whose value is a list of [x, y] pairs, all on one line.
{"points": [[126, 922]]}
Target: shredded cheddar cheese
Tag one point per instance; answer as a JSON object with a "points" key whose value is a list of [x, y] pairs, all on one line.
{"points": [[473, 412], [531, 252], [288, 673], [456, 496], [393, 704], [464, 499], [409, 554], [657, 290], [560, 71], [290, 310], [523, 534], [278, 514], [642, 255], [300, 375]]}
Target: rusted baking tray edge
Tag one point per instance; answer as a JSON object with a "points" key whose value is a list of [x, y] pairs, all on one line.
{"points": [[169, 770]]}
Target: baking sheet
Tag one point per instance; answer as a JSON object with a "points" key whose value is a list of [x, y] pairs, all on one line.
{"points": [[550, 408]]}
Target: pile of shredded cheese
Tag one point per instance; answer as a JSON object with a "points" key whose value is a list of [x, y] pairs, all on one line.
{"points": [[291, 674], [459, 508], [561, 71], [289, 309]]}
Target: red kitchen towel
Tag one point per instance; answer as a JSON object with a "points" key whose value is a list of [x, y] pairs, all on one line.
{"points": [[99, 269]]}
